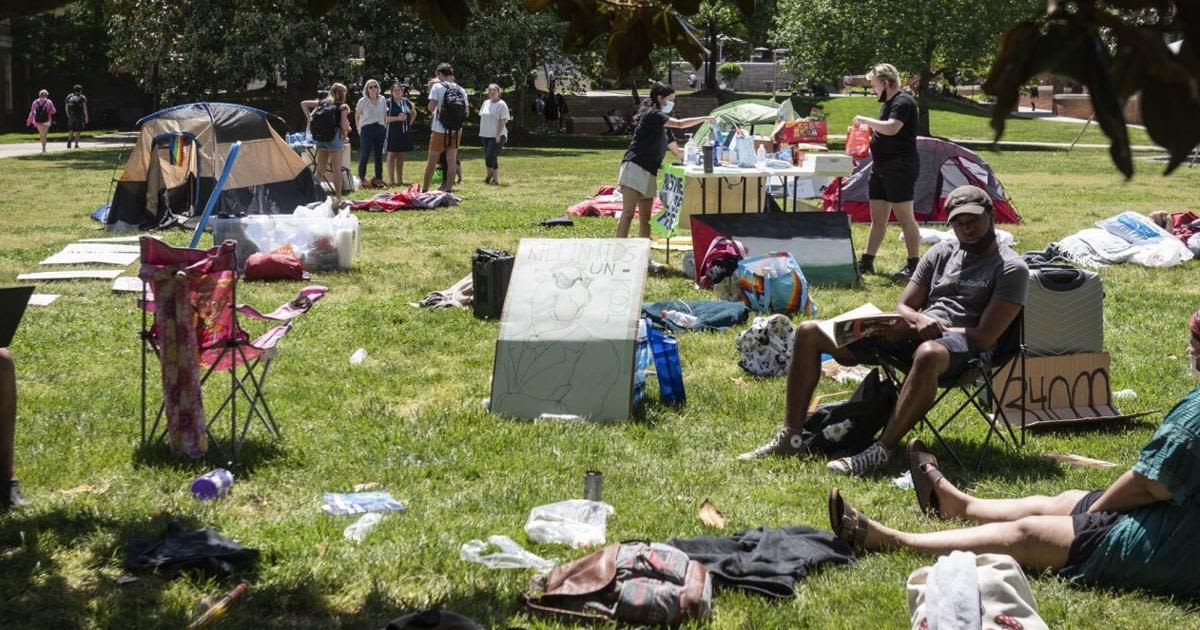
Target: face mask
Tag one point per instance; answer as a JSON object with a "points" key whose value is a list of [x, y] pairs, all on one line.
{"points": [[667, 106], [983, 242]]}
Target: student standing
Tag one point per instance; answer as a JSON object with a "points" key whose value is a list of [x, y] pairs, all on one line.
{"points": [[638, 180], [369, 115], [41, 116], [77, 114], [399, 119], [894, 167], [493, 129], [329, 123], [449, 108]]}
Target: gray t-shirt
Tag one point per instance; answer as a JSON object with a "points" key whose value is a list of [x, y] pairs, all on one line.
{"points": [[961, 287]]}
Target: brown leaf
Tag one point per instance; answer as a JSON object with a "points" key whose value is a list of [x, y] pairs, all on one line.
{"points": [[363, 487], [87, 488], [710, 516], [738, 381], [321, 547]]}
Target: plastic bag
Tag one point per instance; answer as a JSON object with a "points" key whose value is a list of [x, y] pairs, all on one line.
{"points": [[744, 151], [510, 555], [858, 141], [774, 283], [363, 526], [1133, 227], [577, 522]]}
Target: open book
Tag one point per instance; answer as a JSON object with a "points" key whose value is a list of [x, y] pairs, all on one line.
{"points": [[856, 324]]}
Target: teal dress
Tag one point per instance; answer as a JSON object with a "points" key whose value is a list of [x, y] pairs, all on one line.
{"points": [[1157, 547]]}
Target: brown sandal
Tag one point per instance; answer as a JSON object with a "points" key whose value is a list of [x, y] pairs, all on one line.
{"points": [[924, 480], [847, 523]]}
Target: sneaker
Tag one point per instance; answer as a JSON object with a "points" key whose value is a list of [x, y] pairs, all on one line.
{"points": [[870, 460], [904, 274], [12, 497], [866, 266], [784, 443]]}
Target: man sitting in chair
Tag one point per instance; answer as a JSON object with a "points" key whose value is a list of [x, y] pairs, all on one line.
{"points": [[960, 300]]}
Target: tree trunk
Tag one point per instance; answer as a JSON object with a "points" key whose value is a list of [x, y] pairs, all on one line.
{"points": [[710, 68], [302, 85], [923, 96]]}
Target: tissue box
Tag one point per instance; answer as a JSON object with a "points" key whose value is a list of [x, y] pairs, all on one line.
{"points": [[321, 243], [833, 164]]}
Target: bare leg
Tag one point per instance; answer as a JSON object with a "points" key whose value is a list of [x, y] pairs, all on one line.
{"points": [[880, 211], [1035, 542], [920, 388], [400, 168], [908, 224], [645, 207], [629, 201], [8, 414], [42, 131], [431, 161], [954, 503], [804, 370], [451, 165], [391, 167]]}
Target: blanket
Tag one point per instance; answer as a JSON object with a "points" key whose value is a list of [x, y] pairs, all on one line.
{"points": [[411, 199], [1126, 237], [606, 203]]}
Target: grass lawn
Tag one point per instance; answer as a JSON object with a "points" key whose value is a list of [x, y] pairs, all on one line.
{"points": [[410, 419], [57, 134]]}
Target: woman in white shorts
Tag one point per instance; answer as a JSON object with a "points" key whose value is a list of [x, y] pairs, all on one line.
{"points": [[639, 168]]}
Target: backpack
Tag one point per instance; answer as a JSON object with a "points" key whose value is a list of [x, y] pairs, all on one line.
{"points": [[636, 582], [75, 105], [452, 111], [766, 346], [325, 121], [850, 426], [41, 114]]}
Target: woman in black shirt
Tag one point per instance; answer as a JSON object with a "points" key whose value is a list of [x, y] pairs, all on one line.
{"points": [[639, 168], [894, 167]]}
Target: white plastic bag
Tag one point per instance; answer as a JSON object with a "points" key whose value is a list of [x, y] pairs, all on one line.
{"points": [[577, 522], [317, 209], [363, 526], [1161, 253], [510, 555]]}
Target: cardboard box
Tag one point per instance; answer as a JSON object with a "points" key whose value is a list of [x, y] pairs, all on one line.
{"points": [[1058, 390], [831, 164]]}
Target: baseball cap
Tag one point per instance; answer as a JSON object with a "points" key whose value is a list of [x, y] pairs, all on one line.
{"points": [[967, 199]]}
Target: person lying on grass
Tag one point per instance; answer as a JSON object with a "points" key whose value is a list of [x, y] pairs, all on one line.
{"points": [[1139, 533], [962, 297]]}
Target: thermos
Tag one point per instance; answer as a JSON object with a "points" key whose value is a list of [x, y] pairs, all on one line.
{"points": [[708, 156], [592, 482]]}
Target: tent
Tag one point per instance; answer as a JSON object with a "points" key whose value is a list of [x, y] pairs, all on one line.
{"points": [[180, 152], [944, 167], [747, 113]]}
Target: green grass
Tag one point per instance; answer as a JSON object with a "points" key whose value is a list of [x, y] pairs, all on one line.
{"points": [[57, 134], [410, 418]]}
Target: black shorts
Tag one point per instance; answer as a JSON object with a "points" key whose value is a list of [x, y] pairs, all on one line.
{"points": [[873, 350], [74, 123], [399, 141], [1090, 529], [893, 180]]}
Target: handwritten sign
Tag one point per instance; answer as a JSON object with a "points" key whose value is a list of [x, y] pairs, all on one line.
{"points": [[1064, 389], [671, 196]]}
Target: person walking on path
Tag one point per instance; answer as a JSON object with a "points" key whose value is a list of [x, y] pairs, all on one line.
{"points": [[369, 115], [400, 117], [41, 116], [493, 129], [329, 123], [894, 167], [77, 114], [639, 168]]}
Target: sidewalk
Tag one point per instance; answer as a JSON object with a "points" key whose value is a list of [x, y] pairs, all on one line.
{"points": [[21, 149]]}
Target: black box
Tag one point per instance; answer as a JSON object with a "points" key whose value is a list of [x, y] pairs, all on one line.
{"points": [[490, 272]]}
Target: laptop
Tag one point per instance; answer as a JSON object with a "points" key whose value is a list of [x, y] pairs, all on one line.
{"points": [[13, 301]]}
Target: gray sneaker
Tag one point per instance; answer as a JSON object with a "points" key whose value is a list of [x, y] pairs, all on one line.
{"points": [[870, 460], [10, 496], [784, 443]]}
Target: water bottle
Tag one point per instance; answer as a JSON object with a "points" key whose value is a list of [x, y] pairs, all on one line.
{"points": [[760, 155], [681, 319], [212, 485], [359, 530], [708, 156], [358, 357]]}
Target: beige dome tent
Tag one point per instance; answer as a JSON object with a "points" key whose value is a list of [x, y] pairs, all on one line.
{"points": [[180, 152]]}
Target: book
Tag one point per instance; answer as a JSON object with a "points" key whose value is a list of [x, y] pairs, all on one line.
{"points": [[856, 324]]}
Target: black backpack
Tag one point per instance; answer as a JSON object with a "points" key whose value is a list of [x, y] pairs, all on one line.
{"points": [[453, 110], [42, 113], [325, 121], [848, 427], [75, 105]]}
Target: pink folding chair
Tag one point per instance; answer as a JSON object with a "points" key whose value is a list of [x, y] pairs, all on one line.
{"points": [[192, 296]]}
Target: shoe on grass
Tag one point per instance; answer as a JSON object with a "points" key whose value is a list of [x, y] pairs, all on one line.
{"points": [[868, 461], [11, 496], [784, 443], [905, 273]]}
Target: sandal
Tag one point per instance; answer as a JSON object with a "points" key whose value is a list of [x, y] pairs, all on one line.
{"points": [[847, 523], [924, 480]]}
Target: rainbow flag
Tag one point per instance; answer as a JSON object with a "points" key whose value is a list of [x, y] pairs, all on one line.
{"points": [[176, 151]]}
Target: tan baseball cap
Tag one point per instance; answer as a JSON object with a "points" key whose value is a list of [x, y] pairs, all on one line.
{"points": [[967, 199]]}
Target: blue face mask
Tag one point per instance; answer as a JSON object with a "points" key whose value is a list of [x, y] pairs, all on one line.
{"points": [[667, 106]]}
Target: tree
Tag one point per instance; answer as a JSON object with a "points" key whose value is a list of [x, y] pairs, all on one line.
{"points": [[730, 71], [920, 37]]}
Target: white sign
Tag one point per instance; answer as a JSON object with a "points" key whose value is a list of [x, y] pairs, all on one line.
{"points": [[671, 197]]}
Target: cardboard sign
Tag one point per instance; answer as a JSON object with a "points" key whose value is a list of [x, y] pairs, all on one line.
{"points": [[568, 331], [671, 196], [1058, 390]]}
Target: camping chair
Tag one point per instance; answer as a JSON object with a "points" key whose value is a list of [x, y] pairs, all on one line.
{"points": [[198, 289], [975, 382]]}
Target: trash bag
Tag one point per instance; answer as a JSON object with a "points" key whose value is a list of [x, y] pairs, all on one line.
{"points": [[577, 522]]}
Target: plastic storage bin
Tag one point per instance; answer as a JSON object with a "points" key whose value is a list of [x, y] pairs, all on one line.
{"points": [[321, 243]]}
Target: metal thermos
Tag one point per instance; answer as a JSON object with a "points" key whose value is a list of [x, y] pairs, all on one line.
{"points": [[708, 156], [592, 482]]}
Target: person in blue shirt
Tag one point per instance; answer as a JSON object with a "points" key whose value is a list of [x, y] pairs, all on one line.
{"points": [[1139, 533]]}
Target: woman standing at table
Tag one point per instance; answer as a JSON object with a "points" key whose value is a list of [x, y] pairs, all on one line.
{"points": [[400, 117], [638, 180], [894, 168]]}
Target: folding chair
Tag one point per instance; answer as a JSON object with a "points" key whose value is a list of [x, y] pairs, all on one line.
{"points": [[975, 382], [192, 296]]}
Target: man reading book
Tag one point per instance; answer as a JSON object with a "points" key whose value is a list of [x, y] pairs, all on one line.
{"points": [[962, 297]]}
